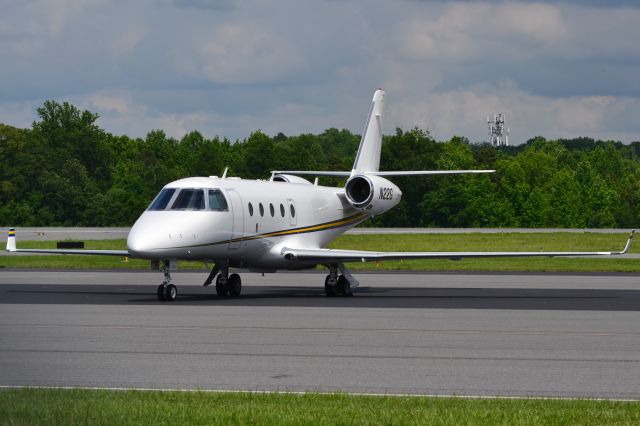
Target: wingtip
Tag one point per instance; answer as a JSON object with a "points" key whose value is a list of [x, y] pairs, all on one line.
{"points": [[629, 241]]}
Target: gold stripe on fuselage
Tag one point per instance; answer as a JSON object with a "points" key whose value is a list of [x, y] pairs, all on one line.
{"points": [[313, 228]]}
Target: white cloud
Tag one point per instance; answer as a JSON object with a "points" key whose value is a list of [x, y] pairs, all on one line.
{"points": [[503, 32], [128, 38], [121, 103], [463, 112], [120, 110], [604, 33], [41, 17], [219, 5], [28, 27], [481, 30], [243, 53], [19, 113], [557, 68]]}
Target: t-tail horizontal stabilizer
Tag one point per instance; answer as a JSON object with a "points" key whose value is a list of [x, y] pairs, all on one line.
{"points": [[367, 160], [390, 173]]}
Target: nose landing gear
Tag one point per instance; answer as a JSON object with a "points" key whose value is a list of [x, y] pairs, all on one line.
{"points": [[167, 291]]}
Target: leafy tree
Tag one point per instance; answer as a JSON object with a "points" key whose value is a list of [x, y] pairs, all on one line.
{"points": [[71, 133], [257, 153], [65, 170]]}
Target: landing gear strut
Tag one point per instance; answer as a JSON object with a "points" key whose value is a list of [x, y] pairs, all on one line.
{"points": [[337, 285], [167, 291]]}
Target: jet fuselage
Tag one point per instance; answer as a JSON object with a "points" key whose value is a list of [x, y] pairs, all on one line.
{"points": [[261, 218]]}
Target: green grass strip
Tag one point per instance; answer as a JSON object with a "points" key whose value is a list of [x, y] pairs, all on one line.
{"points": [[402, 242], [101, 407]]}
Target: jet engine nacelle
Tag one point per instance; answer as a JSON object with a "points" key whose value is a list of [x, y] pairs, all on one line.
{"points": [[290, 178], [372, 194]]}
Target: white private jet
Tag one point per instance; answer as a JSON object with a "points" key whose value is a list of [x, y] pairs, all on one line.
{"points": [[282, 223]]}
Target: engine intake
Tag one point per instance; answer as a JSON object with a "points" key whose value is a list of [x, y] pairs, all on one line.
{"points": [[359, 191], [371, 193]]}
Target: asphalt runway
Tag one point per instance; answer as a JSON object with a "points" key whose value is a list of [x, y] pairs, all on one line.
{"points": [[438, 334]]}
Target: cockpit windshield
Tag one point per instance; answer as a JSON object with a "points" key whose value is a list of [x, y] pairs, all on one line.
{"points": [[162, 200], [190, 199], [217, 201]]}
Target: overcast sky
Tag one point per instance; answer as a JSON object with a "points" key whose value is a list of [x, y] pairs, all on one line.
{"points": [[228, 68]]}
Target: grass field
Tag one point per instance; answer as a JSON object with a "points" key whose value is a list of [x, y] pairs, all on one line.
{"points": [[96, 407], [406, 242]]}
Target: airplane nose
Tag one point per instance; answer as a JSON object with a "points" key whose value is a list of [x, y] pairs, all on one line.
{"points": [[136, 244], [140, 241]]}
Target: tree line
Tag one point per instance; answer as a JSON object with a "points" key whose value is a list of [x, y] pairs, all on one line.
{"points": [[67, 171]]}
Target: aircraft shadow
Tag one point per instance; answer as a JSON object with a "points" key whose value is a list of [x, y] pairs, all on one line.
{"points": [[365, 297]]}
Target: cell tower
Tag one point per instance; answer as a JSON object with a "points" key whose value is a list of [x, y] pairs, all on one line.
{"points": [[498, 133]]}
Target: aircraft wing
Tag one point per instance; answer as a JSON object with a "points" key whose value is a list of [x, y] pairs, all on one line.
{"points": [[70, 251], [339, 256], [11, 247]]}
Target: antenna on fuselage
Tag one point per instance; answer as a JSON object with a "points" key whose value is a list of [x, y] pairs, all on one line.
{"points": [[224, 174]]}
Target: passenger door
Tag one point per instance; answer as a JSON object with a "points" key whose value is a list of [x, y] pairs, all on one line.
{"points": [[237, 218]]}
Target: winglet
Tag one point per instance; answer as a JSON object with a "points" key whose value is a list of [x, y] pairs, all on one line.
{"points": [[11, 240], [628, 245]]}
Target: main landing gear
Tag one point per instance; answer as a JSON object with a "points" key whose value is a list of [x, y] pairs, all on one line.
{"points": [[339, 285], [226, 285]]}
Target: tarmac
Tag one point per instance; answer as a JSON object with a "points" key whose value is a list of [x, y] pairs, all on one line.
{"points": [[487, 334]]}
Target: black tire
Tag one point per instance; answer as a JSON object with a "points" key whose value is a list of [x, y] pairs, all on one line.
{"points": [[329, 290], [343, 287], [221, 289], [161, 292], [234, 285], [171, 293]]}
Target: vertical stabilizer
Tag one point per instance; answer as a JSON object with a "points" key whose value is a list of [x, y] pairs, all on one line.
{"points": [[11, 240], [368, 157]]}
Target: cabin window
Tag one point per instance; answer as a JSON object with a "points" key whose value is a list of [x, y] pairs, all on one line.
{"points": [[293, 210], [281, 210], [189, 199], [217, 201], [261, 210], [162, 200], [250, 209], [272, 210]]}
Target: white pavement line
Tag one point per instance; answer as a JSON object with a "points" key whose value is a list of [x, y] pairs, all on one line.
{"points": [[264, 392]]}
